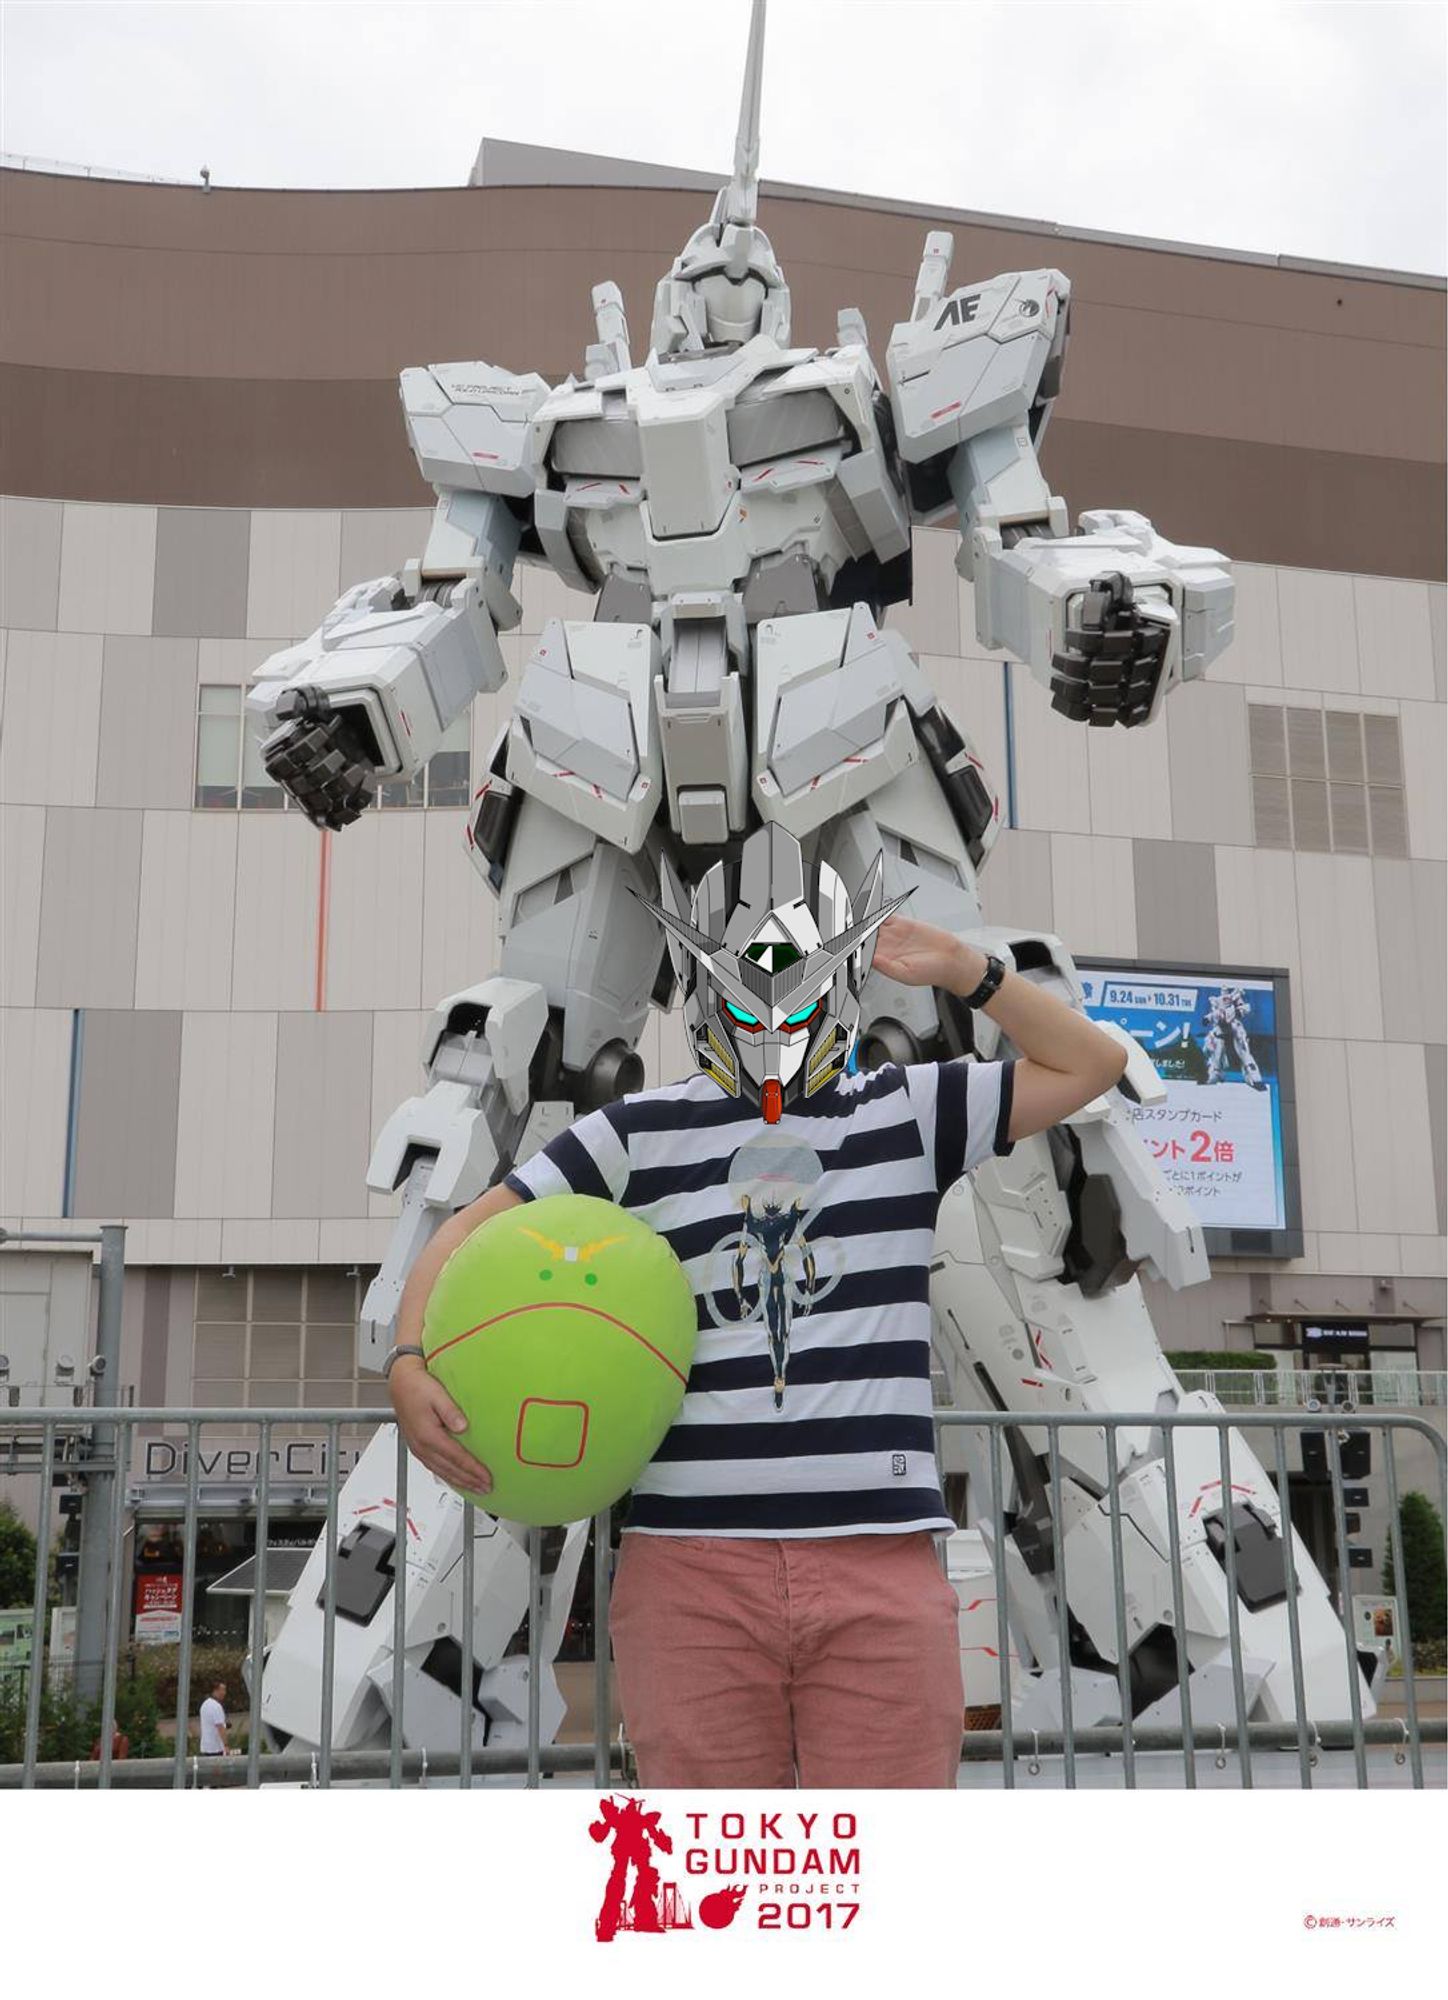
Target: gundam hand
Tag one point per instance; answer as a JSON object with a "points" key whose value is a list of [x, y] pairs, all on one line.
{"points": [[1112, 660], [325, 757]]}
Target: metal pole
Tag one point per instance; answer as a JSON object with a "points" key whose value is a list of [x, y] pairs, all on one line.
{"points": [[535, 1654], [1178, 1608], [465, 1665], [998, 1537], [1294, 1628], [188, 1606], [1234, 1615], [37, 1629], [258, 1625], [102, 1486], [1063, 1629], [602, 1695], [1400, 1598], [399, 1612], [329, 1611], [1118, 1573]]}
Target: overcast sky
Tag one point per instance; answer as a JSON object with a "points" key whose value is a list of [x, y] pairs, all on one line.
{"points": [[1302, 126]]}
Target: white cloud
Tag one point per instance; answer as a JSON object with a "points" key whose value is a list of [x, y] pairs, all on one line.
{"points": [[1311, 129]]}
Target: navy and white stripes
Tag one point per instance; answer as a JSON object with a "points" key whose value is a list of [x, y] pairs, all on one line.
{"points": [[846, 1446]]}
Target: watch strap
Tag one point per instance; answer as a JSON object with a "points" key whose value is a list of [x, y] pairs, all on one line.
{"points": [[396, 1353], [989, 986]]}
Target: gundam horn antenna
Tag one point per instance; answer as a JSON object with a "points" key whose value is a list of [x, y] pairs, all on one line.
{"points": [[737, 206]]}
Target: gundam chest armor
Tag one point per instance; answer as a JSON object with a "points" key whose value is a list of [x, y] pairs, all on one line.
{"points": [[741, 509]]}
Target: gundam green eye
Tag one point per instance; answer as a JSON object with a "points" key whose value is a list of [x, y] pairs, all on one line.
{"points": [[738, 1014]]}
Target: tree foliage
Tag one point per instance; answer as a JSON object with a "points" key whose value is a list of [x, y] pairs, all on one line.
{"points": [[1421, 1527]]}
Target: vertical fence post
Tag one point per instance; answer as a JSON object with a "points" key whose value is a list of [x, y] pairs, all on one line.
{"points": [[37, 1627], [1063, 1618], [998, 1538], [188, 1602], [1355, 1700], [1178, 1605], [535, 1654], [1294, 1628], [1400, 1621], [602, 1687], [103, 1486], [1234, 1614], [258, 1640], [465, 1673], [1118, 1573], [329, 1609], [116, 1620], [399, 1613]]}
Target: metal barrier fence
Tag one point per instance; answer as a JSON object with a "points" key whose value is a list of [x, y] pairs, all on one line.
{"points": [[95, 1448], [1405, 1388]]}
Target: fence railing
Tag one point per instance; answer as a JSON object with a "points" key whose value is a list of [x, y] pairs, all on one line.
{"points": [[95, 1451], [1406, 1388]]}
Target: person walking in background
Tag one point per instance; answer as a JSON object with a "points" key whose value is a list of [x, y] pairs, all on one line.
{"points": [[213, 1722]]}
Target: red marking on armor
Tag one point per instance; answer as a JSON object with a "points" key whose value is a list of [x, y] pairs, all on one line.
{"points": [[976, 1602], [771, 1099], [588, 485], [945, 412], [1027, 1382], [971, 758], [852, 760], [762, 475], [1211, 1486], [810, 461], [469, 833], [388, 1501], [562, 1305], [622, 487], [405, 723], [487, 454]]}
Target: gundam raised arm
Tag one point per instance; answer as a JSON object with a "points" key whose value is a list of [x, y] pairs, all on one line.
{"points": [[1111, 618]]}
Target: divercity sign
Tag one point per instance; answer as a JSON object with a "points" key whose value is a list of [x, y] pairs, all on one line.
{"points": [[297, 1458]]}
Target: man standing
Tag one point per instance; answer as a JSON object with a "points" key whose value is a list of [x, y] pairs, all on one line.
{"points": [[780, 1615], [213, 1722]]}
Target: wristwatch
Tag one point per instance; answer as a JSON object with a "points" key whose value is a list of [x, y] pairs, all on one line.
{"points": [[396, 1354], [989, 986]]}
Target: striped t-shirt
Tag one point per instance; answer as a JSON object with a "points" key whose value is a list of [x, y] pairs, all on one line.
{"points": [[808, 1244]]}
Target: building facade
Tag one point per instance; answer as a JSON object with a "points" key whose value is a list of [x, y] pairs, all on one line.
{"points": [[209, 1007]]}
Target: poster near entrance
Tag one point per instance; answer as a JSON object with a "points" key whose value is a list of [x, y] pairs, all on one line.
{"points": [[158, 1608]]}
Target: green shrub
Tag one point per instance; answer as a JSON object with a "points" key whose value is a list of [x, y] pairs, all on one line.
{"points": [[1421, 1528], [17, 1564], [69, 1728], [1194, 1359]]}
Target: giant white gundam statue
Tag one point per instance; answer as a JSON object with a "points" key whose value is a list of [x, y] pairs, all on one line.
{"points": [[741, 508]]}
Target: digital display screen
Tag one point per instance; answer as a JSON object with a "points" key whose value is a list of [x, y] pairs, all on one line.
{"points": [[1221, 1136]]}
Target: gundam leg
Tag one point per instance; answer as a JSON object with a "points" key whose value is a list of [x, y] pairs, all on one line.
{"points": [[507, 1061], [1039, 1309]]}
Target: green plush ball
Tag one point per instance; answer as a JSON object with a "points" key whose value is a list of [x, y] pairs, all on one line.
{"points": [[563, 1329]]}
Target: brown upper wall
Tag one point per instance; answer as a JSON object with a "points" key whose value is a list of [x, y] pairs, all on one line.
{"points": [[241, 348]]}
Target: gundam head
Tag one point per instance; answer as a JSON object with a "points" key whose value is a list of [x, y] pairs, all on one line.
{"points": [[772, 955], [725, 286]]}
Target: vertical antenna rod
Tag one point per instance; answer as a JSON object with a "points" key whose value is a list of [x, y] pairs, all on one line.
{"points": [[741, 197]]}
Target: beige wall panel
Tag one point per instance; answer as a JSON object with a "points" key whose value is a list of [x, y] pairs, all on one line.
{"points": [[1412, 943], [125, 1135], [294, 571], [225, 1124], [1319, 631], [931, 621], [397, 1074], [1129, 777], [1053, 790], [1425, 773], [277, 864], [374, 923], [228, 662], [188, 909], [148, 723], [1324, 1136], [1211, 796], [290, 1242], [1392, 1147], [1360, 1256], [459, 911], [1093, 888], [1395, 637], [30, 563], [973, 695], [107, 568], [201, 564], [22, 850], [1438, 621], [352, 1242], [35, 1073], [1176, 902], [90, 892], [323, 1087], [1337, 925], [377, 541], [51, 719], [1016, 884], [543, 596], [163, 1240], [1423, 1257], [1255, 654], [1257, 913], [970, 640]]}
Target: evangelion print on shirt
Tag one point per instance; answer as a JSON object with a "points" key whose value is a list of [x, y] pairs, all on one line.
{"points": [[808, 1244]]}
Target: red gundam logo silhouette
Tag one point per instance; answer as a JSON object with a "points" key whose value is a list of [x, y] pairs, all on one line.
{"points": [[653, 1905]]}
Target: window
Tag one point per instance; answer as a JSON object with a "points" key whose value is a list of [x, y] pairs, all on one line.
{"points": [[1327, 781], [230, 773], [281, 1339]]}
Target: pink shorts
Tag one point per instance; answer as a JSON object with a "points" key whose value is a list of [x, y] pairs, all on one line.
{"points": [[776, 1663]]}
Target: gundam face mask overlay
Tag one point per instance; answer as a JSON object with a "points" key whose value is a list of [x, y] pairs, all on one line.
{"points": [[772, 954]]}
